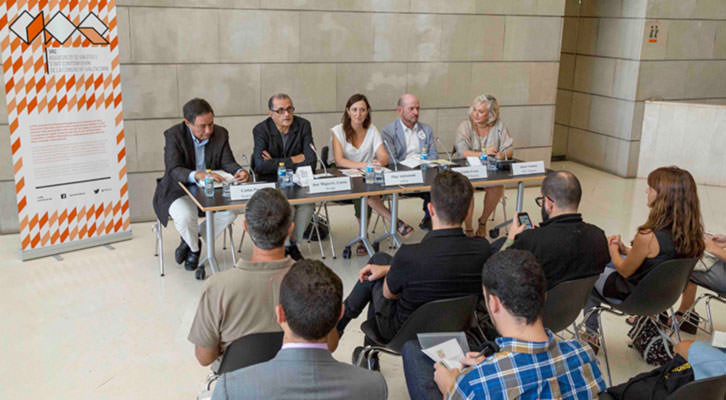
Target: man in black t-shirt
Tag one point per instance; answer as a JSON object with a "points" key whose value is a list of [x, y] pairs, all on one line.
{"points": [[445, 264], [566, 246]]}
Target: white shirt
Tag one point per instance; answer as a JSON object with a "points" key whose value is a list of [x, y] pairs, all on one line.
{"points": [[367, 150], [413, 147]]}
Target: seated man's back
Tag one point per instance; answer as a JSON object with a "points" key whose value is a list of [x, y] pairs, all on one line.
{"points": [[445, 264]]}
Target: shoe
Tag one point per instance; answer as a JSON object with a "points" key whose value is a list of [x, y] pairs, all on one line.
{"points": [[192, 261], [591, 339], [294, 252], [181, 252], [425, 224]]}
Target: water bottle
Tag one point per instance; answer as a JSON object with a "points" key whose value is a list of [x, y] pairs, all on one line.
{"points": [[370, 174], [424, 153], [378, 174], [483, 157], [492, 164], [209, 184], [281, 174]]}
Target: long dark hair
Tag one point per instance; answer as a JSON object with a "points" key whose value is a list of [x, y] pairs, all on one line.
{"points": [[347, 128], [676, 209]]}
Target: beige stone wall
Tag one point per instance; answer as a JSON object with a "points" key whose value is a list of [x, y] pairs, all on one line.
{"points": [[236, 53], [608, 68]]}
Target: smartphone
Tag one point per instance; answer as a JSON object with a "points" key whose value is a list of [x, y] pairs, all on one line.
{"points": [[523, 219]]}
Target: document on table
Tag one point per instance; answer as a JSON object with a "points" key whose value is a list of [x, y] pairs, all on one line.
{"points": [[351, 172], [411, 162], [224, 174], [448, 353]]}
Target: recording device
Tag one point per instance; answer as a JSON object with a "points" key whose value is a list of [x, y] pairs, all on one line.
{"points": [[325, 170], [246, 162], [523, 219], [391, 155]]}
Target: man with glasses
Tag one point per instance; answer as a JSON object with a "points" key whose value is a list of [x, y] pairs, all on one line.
{"points": [[288, 139], [566, 246]]}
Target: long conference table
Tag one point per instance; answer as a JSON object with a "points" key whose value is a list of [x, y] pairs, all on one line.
{"points": [[360, 190]]}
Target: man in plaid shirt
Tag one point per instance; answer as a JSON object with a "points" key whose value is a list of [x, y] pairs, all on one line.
{"points": [[531, 362]]}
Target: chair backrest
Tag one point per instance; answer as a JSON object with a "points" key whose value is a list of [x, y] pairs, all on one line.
{"points": [[565, 301], [703, 389], [660, 288], [249, 350], [447, 315]]}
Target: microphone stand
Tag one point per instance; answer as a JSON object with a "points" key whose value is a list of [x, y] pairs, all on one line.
{"points": [[247, 163], [390, 154], [322, 163]]}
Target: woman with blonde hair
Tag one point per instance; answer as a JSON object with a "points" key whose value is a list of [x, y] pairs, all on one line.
{"points": [[357, 142], [674, 229], [484, 132]]}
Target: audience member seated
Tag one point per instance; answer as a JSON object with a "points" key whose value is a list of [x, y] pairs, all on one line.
{"points": [[710, 271], [567, 247], [483, 132], [190, 148], [408, 139], [531, 362], [310, 305], [357, 143], [673, 230], [706, 360], [241, 300], [445, 264], [288, 139]]}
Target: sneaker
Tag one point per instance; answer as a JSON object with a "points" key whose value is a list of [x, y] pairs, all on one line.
{"points": [[294, 252], [425, 224]]}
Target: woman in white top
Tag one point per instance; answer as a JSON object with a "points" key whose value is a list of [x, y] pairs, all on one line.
{"points": [[482, 132], [356, 143]]}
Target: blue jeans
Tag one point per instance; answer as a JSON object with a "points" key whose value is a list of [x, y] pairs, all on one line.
{"points": [[419, 371]]}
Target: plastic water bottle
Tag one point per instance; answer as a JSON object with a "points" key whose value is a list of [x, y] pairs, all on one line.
{"points": [[483, 157], [281, 175], [492, 164], [424, 153], [209, 184], [370, 174]]}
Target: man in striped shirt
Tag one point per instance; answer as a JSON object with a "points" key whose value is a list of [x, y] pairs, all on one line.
{"points": [[531, 362]]}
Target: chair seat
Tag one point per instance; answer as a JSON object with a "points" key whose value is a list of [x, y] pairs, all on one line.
{"points": [[370, 330]]}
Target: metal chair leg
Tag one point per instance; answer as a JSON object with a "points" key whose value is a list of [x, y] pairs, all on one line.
{"points": [[241, 242], [674, 324], [231, 244], [601, 334], [159, 247], [330, 229]]}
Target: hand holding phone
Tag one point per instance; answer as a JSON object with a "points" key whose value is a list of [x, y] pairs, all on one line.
{"points": [[523, 219]]}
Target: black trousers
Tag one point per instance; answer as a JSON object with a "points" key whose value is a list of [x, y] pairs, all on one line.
{"points": [[381, 310]]}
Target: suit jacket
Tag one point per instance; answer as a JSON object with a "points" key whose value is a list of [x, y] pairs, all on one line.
{"points": [[267, 137], [301, 374], [393, 134], [179, 161]]}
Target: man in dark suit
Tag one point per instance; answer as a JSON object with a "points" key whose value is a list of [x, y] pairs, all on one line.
{"points": [[191, 147], [310, 304], [284, 138]]}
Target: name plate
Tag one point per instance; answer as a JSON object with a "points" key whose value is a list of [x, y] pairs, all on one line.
{"points": [[330, 185], [403, 177], [527, 168], [479, 172], [245, 191]]}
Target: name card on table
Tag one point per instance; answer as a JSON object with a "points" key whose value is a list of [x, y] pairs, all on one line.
{"points": [[403, 177], [473, 160], [303, 176], [479, 172], [330, 185], [527, 168], [246, 190]]}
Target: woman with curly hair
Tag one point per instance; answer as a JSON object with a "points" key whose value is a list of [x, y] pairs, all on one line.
{"points": [[673, 230]]}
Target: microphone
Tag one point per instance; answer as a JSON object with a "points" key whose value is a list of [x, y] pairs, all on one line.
{"points": [[325, 170], [247, 163], [448, 152], [390, 154]]}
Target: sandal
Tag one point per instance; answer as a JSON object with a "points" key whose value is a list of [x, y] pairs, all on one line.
{"points": [[481, 230], [469, 232], [360, 250], [403, 228]]}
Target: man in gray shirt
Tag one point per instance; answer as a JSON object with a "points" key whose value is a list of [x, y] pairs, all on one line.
{"points": [[311, 298]]}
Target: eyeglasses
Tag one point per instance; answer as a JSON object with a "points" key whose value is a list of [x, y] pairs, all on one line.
{"points": [[540, 200], [290, 110]]}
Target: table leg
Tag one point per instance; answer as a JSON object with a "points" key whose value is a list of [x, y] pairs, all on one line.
{"points": [[210, 242], [520, 196], [393, 232], [362, 234]]}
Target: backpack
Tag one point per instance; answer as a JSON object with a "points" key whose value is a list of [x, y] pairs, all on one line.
{"points": [[312, 234], [649, 340], [657, 383]]}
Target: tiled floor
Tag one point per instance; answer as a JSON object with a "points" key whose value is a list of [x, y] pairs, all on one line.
{"points": [[102, 324]]}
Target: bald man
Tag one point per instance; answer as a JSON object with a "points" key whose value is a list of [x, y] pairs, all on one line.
{"points": [[407, 138]]}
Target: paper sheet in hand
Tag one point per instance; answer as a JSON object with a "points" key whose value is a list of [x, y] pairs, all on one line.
{"points": [[448, 353], [224, 174]]}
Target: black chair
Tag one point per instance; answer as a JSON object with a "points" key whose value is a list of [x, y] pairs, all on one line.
{"points": [[707, 324], [565, 301], [447, 315], [654, 294], [248, 350], [702, 389]]}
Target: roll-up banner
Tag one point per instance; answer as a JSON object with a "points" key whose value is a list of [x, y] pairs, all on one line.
{"points": [[63, 87]]}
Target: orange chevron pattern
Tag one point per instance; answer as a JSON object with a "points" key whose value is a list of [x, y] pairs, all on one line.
{"points": [[30, 90]]}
